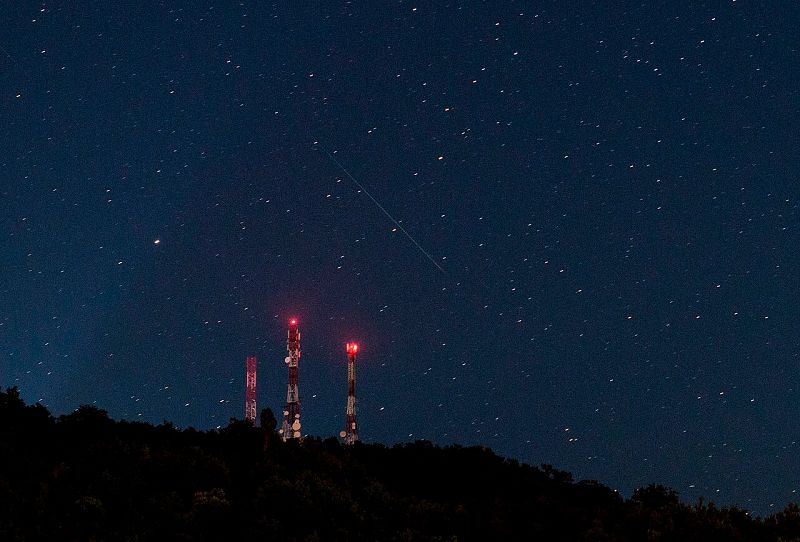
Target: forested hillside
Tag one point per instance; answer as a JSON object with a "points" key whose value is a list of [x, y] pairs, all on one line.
{"points": [[87, 477]]}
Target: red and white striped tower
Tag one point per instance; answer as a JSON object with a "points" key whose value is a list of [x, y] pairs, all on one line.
{"points": [[291, 413], [350, 433], [250, 393]]}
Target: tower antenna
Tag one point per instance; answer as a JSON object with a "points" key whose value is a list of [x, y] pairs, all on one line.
{"points": [[250, 392], [291, 413], [350, 433]]}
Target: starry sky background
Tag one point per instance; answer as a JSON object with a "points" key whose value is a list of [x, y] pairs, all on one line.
{"points": [[611, 191]]}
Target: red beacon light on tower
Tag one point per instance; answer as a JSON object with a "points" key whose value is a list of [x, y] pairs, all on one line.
{"points": [[293, 321], [352, 348]]}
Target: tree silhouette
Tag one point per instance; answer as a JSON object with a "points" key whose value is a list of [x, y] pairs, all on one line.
{"points": [[268, 426], [87, 477]]}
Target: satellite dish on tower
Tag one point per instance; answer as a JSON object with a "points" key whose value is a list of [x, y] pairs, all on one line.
{"points": [[342, 434]]}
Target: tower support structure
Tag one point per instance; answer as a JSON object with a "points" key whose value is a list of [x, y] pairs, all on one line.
{"points": [[290, 429], [350, 433], [250, 390]]}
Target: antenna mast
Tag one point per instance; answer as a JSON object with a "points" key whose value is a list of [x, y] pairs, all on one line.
{"points": [[350, 433], [250, 392], [291, 413]]}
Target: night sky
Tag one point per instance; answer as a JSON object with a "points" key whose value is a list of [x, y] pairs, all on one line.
{"points": [[610, 191]]}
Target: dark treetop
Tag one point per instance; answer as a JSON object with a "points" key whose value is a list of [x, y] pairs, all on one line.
{"points": [[87, 477]]}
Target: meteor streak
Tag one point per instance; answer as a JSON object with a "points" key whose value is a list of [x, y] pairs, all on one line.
{"points": [[395, 222]]}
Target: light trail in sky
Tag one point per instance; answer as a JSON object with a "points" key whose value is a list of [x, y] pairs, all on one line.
{"points": [[377, 203]]}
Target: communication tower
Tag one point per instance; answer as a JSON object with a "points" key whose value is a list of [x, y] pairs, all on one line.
{"points": [[350, 433], [291, 413], [250, 393]]}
